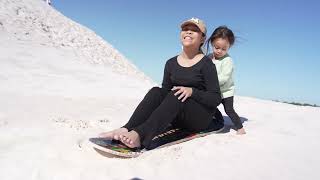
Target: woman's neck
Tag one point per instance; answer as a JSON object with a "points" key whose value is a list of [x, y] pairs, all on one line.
{"points": [[190, 53]]}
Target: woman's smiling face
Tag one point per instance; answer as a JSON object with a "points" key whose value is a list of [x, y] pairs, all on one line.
{"points": [[191, 35]]}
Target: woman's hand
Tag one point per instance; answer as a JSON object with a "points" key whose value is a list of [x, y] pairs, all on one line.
{"points": [[184, 92]]}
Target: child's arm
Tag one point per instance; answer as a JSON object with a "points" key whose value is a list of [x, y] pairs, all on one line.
{"points": [[226, 72]]}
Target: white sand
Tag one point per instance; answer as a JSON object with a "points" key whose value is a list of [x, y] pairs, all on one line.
{"points": [[53, 97]]}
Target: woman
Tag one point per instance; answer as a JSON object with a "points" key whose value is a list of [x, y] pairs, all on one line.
{"points": [[188, 98]]}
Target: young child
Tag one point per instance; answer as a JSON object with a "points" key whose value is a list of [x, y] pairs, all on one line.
{"points": [[221, 40]]}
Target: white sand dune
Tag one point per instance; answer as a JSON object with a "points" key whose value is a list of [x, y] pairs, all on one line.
{"points": [[60, 84]]}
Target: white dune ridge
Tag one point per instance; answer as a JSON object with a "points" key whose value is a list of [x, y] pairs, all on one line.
{"points": [[34, 29], [60, 84], [29, 21]]}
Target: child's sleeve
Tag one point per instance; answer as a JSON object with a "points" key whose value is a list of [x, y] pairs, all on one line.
{"points": [[226, 71]]}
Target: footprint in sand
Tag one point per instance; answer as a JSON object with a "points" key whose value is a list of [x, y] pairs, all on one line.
{"points": [[73, 124], [179, 148], [99, 123], [80, 143], [285, 132], [79, 124], [3, 123]]}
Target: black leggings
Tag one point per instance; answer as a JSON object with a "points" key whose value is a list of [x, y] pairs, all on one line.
{"points": [[228, 108], [159, 108]]}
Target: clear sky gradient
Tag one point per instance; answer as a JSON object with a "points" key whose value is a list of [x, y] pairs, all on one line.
{"points": [[275, 56]]}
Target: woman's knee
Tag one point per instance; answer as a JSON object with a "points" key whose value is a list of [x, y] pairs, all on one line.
{"points": [[155, 90]]}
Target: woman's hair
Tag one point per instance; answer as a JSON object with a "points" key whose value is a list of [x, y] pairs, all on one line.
{"points": [[200, 48], [221, 32]]}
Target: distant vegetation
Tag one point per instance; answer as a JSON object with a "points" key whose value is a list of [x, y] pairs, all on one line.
{"points": [[298, 104]]}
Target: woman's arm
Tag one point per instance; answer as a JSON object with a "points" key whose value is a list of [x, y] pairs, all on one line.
{"points": [[211, 97], [166, 82]]}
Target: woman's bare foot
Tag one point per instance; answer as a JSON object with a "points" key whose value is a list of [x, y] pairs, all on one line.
{"points": [[115, 134], [130, 139], [241, 131]]}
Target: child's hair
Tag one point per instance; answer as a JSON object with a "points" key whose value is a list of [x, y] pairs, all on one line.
{"points": [[221, 32]]}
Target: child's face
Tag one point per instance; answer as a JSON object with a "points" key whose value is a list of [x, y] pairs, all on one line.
{"points": [[220, 47]]}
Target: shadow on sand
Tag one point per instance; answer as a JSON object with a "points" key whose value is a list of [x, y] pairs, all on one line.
{"points": [[228, 125]]}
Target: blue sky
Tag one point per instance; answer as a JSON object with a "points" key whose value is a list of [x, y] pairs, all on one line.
{"points": [[275, 55]]}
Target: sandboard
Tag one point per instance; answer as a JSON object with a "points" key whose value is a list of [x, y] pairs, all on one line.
{"points": [[168, 138]]}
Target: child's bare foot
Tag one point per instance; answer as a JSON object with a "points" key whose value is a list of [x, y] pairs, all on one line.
{"points": [[115, 134], [131, 139], [241, 131]]}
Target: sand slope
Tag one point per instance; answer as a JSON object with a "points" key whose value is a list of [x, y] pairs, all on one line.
{"points": [[60, 84]]}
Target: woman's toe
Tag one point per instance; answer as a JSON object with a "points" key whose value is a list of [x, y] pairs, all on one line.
{"points": [[116, 137]]}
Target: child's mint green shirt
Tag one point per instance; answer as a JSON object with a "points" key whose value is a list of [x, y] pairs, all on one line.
{"points": [[224, 68]]}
